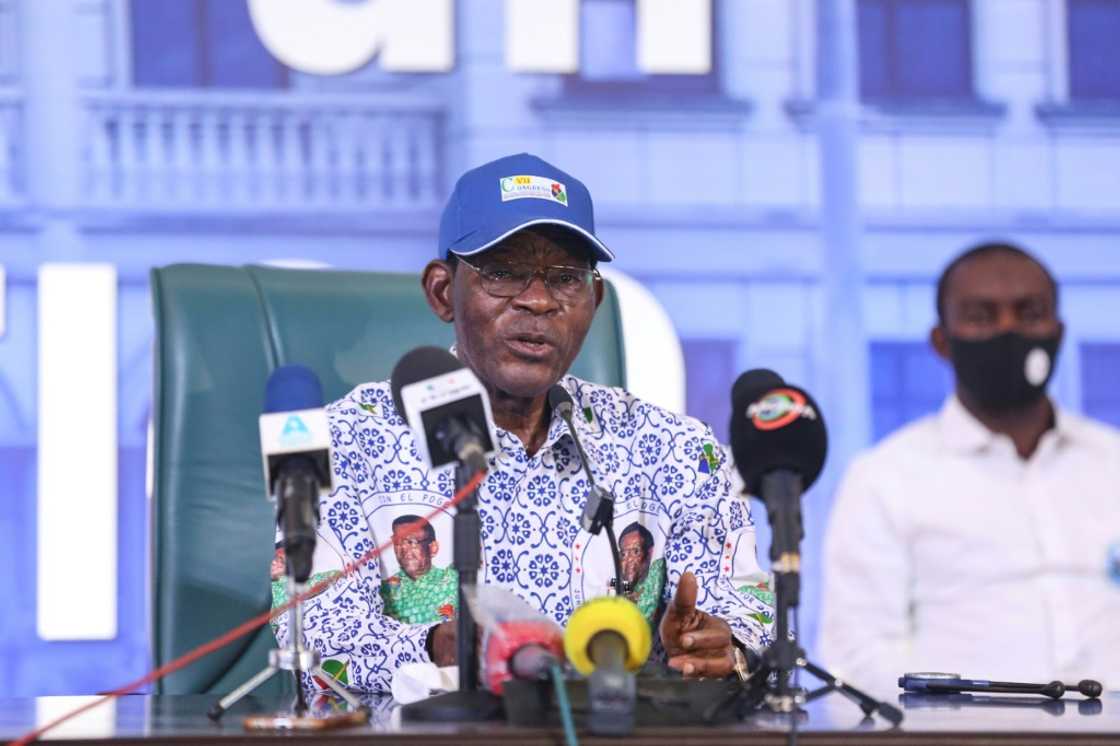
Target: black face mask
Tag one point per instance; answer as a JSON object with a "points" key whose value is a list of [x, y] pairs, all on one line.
{"points": [[1006, 371]]}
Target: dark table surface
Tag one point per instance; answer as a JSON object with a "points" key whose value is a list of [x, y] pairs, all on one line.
{"points": [[182, 720]]}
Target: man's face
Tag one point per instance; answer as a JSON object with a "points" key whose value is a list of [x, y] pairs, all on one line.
{"points": [[414, 549], [635, 560], [521, 346], [998, 293], [278, 566]]}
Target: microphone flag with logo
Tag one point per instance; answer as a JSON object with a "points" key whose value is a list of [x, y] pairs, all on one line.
{"points": [[296, 455], [445, 406]]}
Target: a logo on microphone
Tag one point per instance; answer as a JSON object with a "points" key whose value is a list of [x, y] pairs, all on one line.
{"points": [[295, 432], [778, 408]]}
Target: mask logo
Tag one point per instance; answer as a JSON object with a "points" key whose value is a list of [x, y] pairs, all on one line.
{"points": [[1037, 366], [778, 408], [1006, 371]]}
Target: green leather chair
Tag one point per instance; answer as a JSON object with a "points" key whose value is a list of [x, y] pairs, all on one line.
{"points": [[220, 331]]}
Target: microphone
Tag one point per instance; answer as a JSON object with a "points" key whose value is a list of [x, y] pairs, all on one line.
{"points": [[607, 639], [448, 411], [779, 442], [519, 641], [928, 683], [296, 455], [521, 649], [446, 407], [775, 426], [599, 509]]}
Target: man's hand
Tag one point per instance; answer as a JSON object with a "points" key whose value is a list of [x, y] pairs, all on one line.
{"points": [[698, 644], [444, 649]]}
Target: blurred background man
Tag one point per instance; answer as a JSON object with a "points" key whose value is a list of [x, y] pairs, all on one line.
{"points": [[981, 540]]}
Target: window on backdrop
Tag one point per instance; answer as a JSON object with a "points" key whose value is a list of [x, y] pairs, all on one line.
{"points": [[199, 44], [609, 56], [1100, 397], [915, 50], [908, 381], [1094, 49], [710, 369]]}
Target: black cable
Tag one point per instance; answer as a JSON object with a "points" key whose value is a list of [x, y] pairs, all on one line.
{"points": [[616, 559], [796, 683]]}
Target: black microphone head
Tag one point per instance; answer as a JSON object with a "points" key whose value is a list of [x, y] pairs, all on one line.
{"points": [[751, 384], [560, 400], [1090, 688], [418, 364], [776, 427]]}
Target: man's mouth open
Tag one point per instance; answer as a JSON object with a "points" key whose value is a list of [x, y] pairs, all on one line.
{"points": [[531, 345]]}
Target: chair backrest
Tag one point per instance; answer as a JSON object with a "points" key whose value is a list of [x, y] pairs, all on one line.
{"points": [[220, 331]]}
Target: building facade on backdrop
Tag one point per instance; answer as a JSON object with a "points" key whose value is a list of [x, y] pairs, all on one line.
{"points": [[136, 133]]}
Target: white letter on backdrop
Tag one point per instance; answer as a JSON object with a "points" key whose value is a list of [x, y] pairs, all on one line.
{"points": [[542, 37], [328, 37], [675, 36]]}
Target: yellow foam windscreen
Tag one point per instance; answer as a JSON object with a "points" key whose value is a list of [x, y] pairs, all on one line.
{"points": [[607, 614]]}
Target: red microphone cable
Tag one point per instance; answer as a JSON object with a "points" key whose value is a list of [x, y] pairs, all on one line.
{"points": [[245, 627]]}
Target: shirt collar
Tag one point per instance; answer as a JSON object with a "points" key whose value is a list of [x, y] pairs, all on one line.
{"points": [[961, 431], [557, 428]]}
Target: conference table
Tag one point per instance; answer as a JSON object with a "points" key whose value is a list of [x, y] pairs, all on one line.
{"points": [[181, 719]]}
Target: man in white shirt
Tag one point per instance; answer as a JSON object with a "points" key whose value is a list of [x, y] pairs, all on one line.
{"points": [[982, 540]]}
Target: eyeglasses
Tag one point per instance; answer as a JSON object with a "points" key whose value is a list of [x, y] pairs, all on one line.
{"points": [[507, 280], [411, 542], [637, 552]]}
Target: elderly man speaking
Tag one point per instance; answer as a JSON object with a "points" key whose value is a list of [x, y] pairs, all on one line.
{"points": [[516, 278]]}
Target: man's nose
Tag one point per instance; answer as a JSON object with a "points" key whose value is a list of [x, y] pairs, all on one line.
{"points": [[537, 297], [1006, 319]]}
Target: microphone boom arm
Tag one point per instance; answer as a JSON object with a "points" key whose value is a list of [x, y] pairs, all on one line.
{"points": [[599, 511]]}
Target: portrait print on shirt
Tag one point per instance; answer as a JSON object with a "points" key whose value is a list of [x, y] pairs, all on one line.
{"points": [[641, 548], [643, 575], [419, 584], [327, 562]]}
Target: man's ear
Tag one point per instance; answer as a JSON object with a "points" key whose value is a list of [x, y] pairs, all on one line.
{"points": [[939, 341], [599, 290], [433, 548], [438, 281]]}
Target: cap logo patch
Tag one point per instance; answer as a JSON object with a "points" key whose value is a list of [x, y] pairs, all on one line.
{"points": [[533, 187]]}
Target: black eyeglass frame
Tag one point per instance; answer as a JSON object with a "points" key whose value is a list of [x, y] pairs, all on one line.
{"points": [[541, 272]]}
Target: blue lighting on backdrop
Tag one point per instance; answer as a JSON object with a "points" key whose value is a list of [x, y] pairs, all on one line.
{"points": [[187, 141]]}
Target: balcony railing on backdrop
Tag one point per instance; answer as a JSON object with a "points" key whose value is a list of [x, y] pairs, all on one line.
{"points": [[10, 133], [188, 150]]}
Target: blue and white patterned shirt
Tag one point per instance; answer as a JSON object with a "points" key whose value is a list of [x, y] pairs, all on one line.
{"points": [[667, 473]]}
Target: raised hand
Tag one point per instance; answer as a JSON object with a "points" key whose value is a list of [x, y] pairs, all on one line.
{"points": [[698, 644]]}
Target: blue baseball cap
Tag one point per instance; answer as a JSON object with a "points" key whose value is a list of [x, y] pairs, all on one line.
{"points": [[501, 197]]}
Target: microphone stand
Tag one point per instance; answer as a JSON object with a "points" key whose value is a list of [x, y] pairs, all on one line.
{"points": [[297, 659], [469, 703], [785, 656], [599, 512]]}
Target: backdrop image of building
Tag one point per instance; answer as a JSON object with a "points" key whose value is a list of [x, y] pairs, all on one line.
{"points": [[139, 133]]}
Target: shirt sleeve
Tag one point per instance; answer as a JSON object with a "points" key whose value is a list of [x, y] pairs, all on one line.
{"points": [[712, 535], [358, 643], [865, 631]]}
